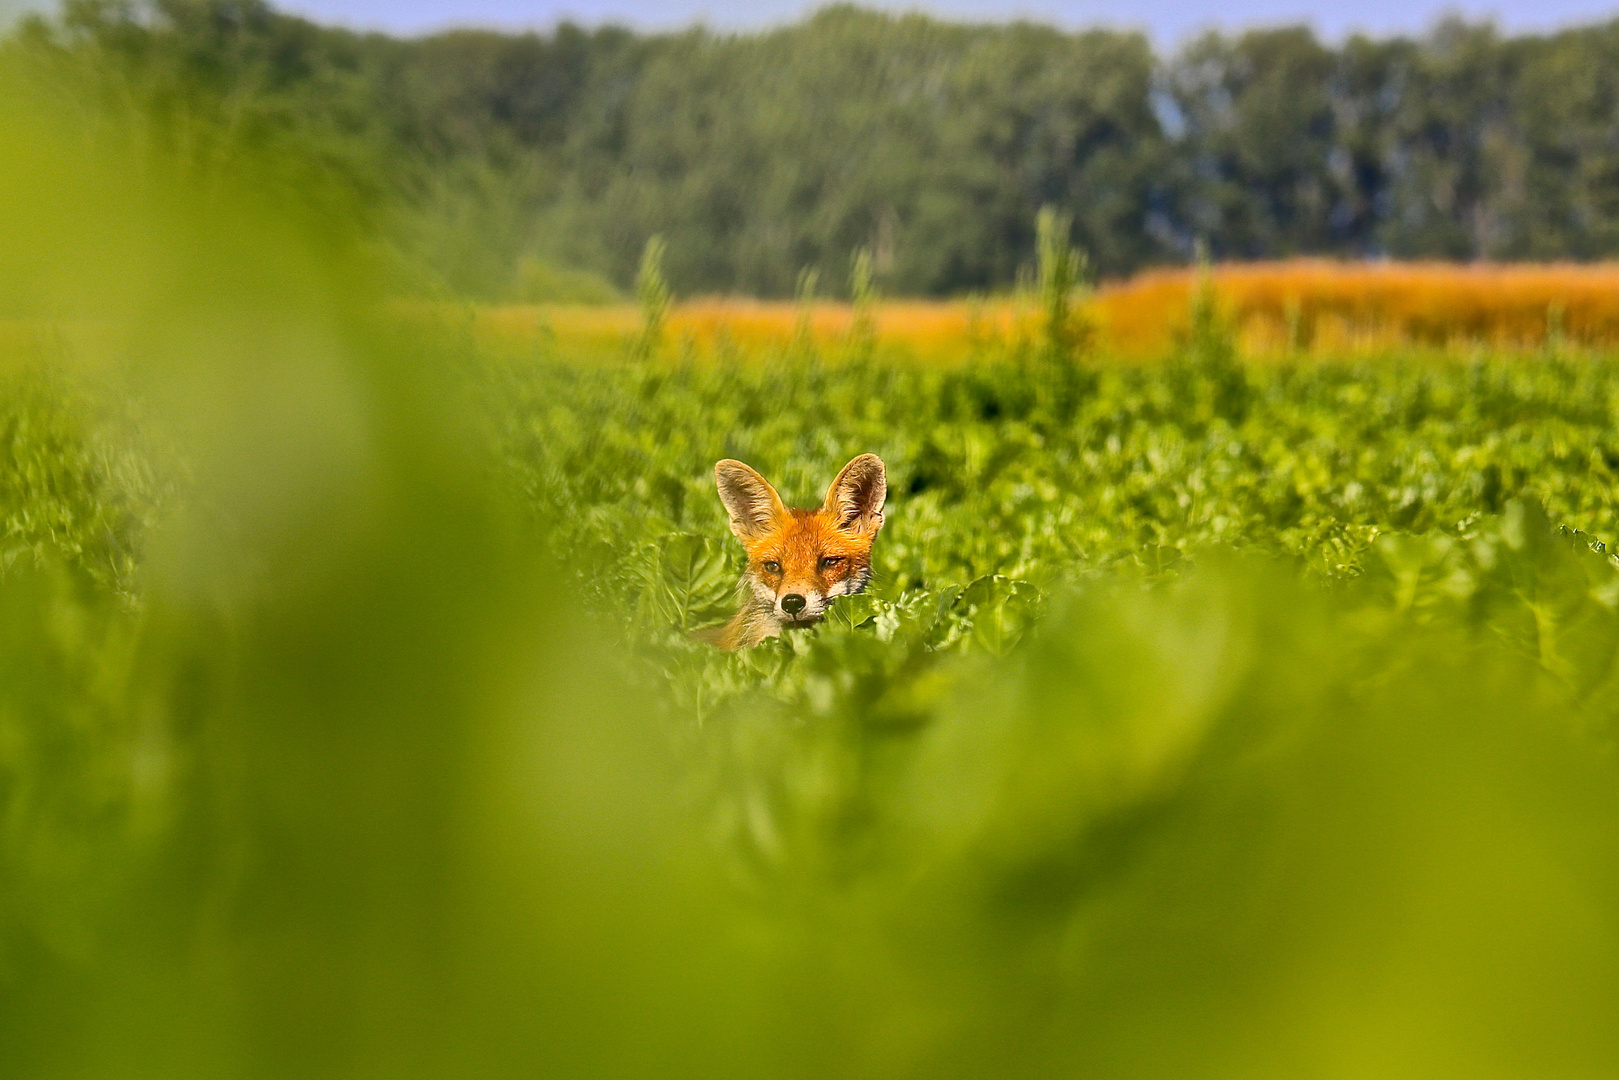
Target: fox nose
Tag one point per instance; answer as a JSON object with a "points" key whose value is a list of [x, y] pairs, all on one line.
{"points": [[792, 603]]}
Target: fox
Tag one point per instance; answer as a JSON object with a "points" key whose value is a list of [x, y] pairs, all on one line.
{"points": [[798, 560]]}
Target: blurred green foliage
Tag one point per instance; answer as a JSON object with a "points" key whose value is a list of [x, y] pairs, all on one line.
{"points": [[78, 484], [481, 158], [539, 282], [1202, 720]]}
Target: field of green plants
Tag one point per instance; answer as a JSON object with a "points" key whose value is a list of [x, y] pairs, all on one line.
{"points": [[1202, 718], [1205, 718]]}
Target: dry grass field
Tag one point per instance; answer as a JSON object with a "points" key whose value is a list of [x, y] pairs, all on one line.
{"points": [[1305, 306]]}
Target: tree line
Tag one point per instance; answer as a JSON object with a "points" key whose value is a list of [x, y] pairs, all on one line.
{"points": [[497, 164]]}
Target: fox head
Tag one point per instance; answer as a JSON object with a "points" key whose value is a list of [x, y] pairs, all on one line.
{"points": [[799, 560]]}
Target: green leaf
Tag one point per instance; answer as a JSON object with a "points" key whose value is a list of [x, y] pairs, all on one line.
{"points": [[858, 612], [687, 580]]}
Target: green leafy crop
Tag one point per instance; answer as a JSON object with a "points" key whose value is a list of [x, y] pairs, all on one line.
{"points": [[1203, 719]]}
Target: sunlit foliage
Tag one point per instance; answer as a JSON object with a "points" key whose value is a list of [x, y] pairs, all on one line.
{"points": [[1204, 719]]}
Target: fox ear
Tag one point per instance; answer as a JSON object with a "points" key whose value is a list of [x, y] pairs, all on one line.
{"points": [[752, 503], [856, 497]]}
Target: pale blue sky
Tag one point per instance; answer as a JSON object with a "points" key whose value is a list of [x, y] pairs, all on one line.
{"points": [[1169, 21]]}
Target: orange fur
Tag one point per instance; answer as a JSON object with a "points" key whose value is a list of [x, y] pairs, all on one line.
{"points": [[799, 561]]}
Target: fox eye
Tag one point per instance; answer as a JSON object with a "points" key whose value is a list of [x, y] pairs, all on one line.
{"points": [[772, 566], [830, 560]]}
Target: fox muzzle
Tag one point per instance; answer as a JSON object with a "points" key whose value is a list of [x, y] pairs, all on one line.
{"points": [[801, 606]]}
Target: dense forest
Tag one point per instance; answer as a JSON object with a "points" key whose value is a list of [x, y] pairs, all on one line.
{"points": [[509, 166]]}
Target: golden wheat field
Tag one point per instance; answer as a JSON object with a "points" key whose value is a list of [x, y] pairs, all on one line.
{"points": [[1315, 307], [720, 326], [1335, 307]]}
